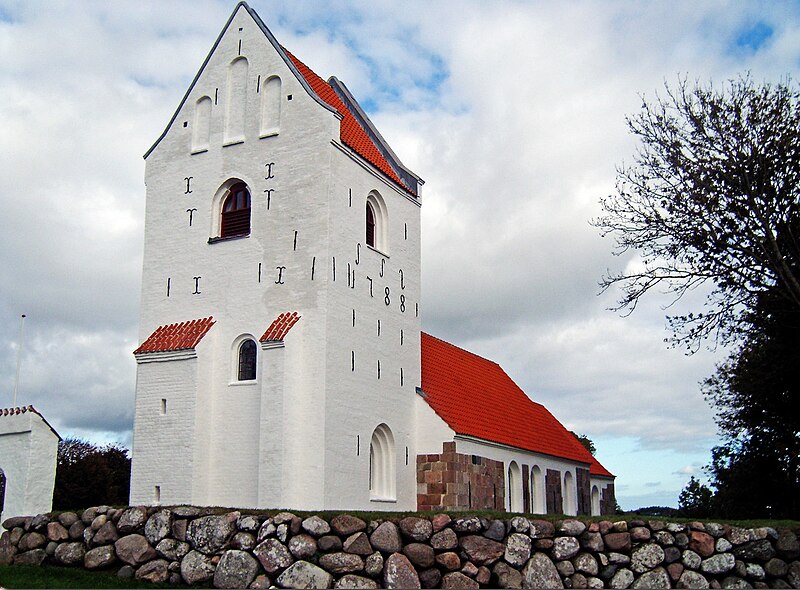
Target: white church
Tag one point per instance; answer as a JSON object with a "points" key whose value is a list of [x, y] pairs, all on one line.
{"points": [[282, 362]]}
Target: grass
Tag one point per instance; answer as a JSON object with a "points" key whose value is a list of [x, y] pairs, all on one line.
{"points": [[51, 576]]}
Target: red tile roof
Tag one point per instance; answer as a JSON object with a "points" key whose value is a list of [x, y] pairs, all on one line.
{"points": [[476, 397], [17, 411], [351, 133], [280, 327], [180, 336]]}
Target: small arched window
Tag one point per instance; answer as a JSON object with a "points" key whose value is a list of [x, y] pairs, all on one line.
{"points": [[247, 360], [370, 225], [381, 464], [235, 220]]}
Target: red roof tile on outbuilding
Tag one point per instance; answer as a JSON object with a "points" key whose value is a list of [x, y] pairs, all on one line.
{"points": [[179, 336], [476, 397]]}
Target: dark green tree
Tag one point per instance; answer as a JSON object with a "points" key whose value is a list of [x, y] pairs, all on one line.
{"points": [[757, 468], [695, 500], [90, 475], [587, 442]]}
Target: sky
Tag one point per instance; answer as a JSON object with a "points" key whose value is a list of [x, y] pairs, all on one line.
{"points": [[512, 112]]}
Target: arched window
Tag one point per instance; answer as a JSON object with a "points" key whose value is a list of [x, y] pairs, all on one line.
{"points": [[370, 225], [235, 215], [201, 128], [381, 464], [595, 501], [247, 360], [271, 107], [237, 101], [570, 507], [514, 488], [537, 491], [376, 223]]}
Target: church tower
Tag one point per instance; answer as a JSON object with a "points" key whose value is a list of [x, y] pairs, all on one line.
{"points": [[280, 308]]}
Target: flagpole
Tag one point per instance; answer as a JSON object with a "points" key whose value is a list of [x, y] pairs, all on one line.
{"points": [[19, 357]]}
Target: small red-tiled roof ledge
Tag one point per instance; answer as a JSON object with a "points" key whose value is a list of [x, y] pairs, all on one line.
{"points": [[278, 329], [173, 341], [20, 410]]}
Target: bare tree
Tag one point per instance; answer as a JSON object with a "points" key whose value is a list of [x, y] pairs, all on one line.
{"points": [[712, 199]]}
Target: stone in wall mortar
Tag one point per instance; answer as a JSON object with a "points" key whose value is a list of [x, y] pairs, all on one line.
{"points": [[436, 551]]}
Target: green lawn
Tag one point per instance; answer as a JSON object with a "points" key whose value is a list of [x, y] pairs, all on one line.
{"points": [[50, 576]]}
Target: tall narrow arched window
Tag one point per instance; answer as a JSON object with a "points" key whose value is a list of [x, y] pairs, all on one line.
{"points": [[376, 223], [595, 501], [236, 101], [370, 225], [570, 506], [514, 488], [201, 127], [381, 464], [537, 491], [247, 360], [235, 214], [271, 107]]}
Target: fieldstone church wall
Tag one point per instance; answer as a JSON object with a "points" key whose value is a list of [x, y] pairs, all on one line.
{"points": [[238, 550]]}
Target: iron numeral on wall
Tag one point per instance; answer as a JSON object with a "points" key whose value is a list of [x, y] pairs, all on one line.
{"points": [[191, 215], [269, 175], [196, 285], [188, 180], [279, 280]]}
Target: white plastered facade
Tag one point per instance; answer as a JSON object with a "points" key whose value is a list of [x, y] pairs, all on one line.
{"points": [[299, 434], [432, 431], [28, 454]]}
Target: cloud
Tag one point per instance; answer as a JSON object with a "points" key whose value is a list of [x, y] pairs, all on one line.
{"points": [[513, 113]]}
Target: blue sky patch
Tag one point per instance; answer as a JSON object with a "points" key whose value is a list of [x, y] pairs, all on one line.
{"points": [[753, 38]]}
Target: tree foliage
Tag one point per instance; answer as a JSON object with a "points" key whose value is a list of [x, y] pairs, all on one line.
{"points": [[757, 468], [712, 200], [587, 442], [90, 475], [695, 500]]}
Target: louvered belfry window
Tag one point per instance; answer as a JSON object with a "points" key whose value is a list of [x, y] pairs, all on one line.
{"points": [[236, 212], [247, 360], [370, 226]]}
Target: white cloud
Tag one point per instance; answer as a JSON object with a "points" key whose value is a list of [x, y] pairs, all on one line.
{"points": [[512, 112]]}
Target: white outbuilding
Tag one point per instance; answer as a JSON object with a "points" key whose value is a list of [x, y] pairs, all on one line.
{"points": [[28, 454], [282, 361]]}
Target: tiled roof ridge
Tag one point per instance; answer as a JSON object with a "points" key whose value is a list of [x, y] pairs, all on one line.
{"points": [[14, 411], [178, 336], [464, 350], [20, 410], [280, 327], [351, 132]]}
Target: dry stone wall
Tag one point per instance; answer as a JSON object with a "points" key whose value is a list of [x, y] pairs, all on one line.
{"points": [[186, 545]]}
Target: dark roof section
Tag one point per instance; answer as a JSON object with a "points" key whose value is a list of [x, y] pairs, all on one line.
{"points": [[409, 179]]}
